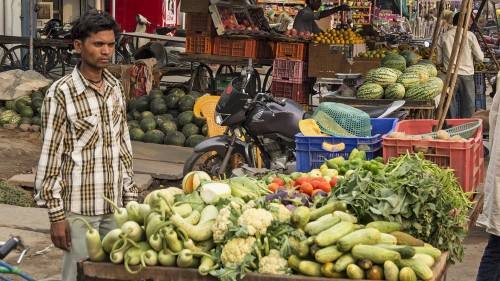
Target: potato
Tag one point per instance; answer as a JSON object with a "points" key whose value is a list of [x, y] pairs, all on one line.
{"points": [[422, 149], [397, 135], [443, 135], [428, 138]]}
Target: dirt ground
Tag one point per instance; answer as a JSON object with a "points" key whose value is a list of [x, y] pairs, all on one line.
{"points": [[19, 152]]}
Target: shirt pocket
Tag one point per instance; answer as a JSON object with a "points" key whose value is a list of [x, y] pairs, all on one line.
{"points": [[86, 132]]}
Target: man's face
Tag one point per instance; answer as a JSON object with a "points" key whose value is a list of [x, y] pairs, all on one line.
{"points": [[97, 49], [315, 4]]}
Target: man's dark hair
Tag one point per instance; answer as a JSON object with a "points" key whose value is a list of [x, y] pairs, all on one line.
{"points": [[455, 19], [92, 22]]}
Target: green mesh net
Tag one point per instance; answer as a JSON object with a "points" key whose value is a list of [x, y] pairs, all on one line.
{"points": [[338, 119]]}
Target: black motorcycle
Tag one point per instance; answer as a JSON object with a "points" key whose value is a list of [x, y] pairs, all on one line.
{"points": [[253, 121], [54, 29]]}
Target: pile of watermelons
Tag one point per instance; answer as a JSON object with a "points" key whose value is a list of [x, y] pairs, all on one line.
{"points": [[166, 118], [23, 110]]}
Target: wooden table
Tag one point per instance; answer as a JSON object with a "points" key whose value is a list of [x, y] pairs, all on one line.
{"points": [[417, 109]]}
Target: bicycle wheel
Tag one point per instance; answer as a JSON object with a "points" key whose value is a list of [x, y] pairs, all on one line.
{"points": [[8, 61], [268, 81], [202, 79]]}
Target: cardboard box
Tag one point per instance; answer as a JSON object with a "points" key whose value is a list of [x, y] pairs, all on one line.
{"points": [[327, 60], [194, 6]]}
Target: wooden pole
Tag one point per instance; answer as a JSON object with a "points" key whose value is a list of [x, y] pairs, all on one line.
{"points": [[31, 18], [460, 36], [437, 26]]}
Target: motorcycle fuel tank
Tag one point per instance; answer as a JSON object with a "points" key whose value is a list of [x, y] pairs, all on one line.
{"points": [[275, 119]]}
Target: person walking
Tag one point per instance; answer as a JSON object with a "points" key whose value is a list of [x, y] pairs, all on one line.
{"points": [[465, 89], [86, 149], [489, 268], [305, 19]]}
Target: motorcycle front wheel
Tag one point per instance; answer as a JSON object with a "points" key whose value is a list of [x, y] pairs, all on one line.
{"points": [[210, 163]]}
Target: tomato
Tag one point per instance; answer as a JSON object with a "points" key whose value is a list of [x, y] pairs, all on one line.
{"points": [[320, 179], [306, 188], [334, 181], [315, 183], [273, 186], [301, 180], [325, 187], [278, 181]]}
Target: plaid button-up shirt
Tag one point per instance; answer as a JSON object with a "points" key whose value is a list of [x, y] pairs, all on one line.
{"points": [[86, 150]]}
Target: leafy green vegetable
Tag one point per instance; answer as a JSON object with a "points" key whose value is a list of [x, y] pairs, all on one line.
{"points": [[414, 192]]}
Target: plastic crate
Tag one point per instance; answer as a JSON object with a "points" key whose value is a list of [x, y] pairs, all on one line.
{"points": [[200, 24], [480, 102], [248, 48], [311, 155], [298, 92], [480, 83], [294, 71], [292, 51], [199, 44], [465, 158]]}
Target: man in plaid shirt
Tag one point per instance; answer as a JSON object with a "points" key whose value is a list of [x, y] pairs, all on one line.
{"points": [[86, 151]]}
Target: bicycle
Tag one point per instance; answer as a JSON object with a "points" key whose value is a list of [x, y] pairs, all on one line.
{"points": [[5, 268]]}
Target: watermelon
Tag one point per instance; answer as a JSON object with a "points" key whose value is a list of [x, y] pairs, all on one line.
{"points": [[158, 106], [383, 76], [153, 136], [131, 105], [394, 91], [148, 124], [370, 91], [36, 120], [172, 101], [204, 130], [155, 94], [194, 140], [394, 61], [199, 121], [167, 127], [136, 134], [173, 112], [175, 138], [146, 114], [2, 109], [36, 104], [159, 119], [25, 120], [195, 94], [44, 89], [410, 57], [37, 94], [133, 124], [26, 111], [186, 103], [178, 91], [425, 91], [185, 118], [412, 79], [10, 104], [135, 114], [129, 117], [427, 69], [190, 129], [6, 116], [142, 104]]}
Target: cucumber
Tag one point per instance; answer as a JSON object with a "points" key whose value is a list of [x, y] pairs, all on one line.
{"points": [[406, 239], [367, 236], [331, 235], [293, 262], [422, 270], [407, 274], [365, 264], [310, 268], [428, 260], [385, 226], [431, 251], [328, 271], [328, 209], [391, 271], [328, 254], [376, 254], [344, 261], [345, 216], [406, 252], [323, 223], [388, 239], [355, 272]]}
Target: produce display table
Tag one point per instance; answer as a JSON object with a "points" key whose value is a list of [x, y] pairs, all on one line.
{"points": [[98, 271], [417, 109]]}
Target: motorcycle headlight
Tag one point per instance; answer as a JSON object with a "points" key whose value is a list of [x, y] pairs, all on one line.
{"points": [[218, 118]]}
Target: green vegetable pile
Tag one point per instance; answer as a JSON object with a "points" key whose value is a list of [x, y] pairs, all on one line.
{"points": [[413, 191]]}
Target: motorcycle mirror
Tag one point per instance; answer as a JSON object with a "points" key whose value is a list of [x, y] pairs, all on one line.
{"points": [[426, 44]]}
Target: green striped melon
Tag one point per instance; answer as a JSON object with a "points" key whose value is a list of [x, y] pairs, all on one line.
{"points": [[430, 70], [412, 79], [383, 76], [370, 91], [410, 57], [394, 91], [425, 91], [394, 61]]}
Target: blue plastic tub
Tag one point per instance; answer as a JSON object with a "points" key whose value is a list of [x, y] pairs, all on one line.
{"points": [[311, 155]]}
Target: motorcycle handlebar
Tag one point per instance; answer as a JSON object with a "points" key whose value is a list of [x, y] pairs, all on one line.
{"points": [[10, 245]]}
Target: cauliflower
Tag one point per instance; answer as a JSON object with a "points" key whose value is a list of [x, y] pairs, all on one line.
{"points": [[249, 205], [236, 249], [273, 263], [256, 220], [223, 221], [280, 212]]}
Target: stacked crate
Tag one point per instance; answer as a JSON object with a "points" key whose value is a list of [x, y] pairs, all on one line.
{"points": [[200, 33], [290, 79]]}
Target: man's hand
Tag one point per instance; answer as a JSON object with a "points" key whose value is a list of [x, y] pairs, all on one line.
{"points": [[344, 8], [60, 234]]}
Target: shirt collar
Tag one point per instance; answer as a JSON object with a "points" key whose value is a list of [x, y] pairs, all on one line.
{"points": [[81, 83]]}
